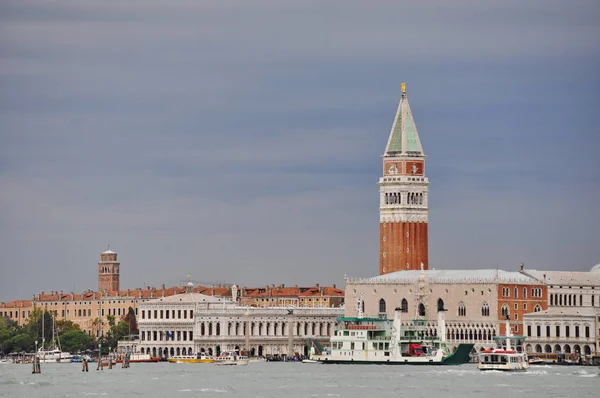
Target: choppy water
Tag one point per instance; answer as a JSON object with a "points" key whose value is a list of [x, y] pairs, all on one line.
{"points": [[287, 380]]}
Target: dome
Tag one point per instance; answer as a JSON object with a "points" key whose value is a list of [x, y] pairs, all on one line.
{"points": [[596, 268]]}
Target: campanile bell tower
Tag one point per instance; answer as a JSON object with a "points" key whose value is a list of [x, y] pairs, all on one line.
{"points": [[108, 272], [403, 211]]}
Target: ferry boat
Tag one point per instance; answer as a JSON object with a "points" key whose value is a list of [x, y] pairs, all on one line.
{"points": [[508, 355], [198, 358], [231, 358], [360, 340]]}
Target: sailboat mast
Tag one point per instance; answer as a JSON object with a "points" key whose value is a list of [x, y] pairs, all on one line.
{"points": [[43, 335]]}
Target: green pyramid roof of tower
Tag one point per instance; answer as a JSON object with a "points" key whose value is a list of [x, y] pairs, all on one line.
{"points": [[404, 137]]}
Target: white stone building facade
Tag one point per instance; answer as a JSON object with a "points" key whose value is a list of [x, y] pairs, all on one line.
{"points": [[262, 331], [166, 325], [572, 322]]}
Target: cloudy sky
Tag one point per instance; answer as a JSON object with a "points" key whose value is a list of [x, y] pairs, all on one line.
{"points": [[240, 141]]}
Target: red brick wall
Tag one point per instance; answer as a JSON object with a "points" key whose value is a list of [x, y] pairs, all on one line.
{"points": [[393, 243], [511, 300]]}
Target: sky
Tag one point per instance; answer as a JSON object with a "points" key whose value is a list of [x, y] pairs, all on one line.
{"points": [[241, 141]]}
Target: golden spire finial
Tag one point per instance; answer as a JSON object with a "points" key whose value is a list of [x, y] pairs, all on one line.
{"points": [[403, 87]]}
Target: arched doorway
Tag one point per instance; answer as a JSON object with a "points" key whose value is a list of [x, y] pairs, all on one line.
{"points": [[172, 351], [421, 309], [577, 349], [557, 349], [547, 349], [178, 351], [237, 348], [306, 351], [587, 350], [528, 348], [252, 351], [218, 350], [538, 348], [567, 349], [260, 350], [210, 351]]}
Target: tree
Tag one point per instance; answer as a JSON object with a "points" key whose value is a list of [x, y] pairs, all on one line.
{"points": [[21, 342], [75, 341], [64, 326], [8, 329], [33, 327]]}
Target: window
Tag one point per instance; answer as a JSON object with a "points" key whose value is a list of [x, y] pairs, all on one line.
{"points": [[382, 307], [421, 309], [516, 292], [547, 331], [529, 330], [567, 331], [462, 311], [505, 292], [537, 308], [404, 306], [524, 292], [525, 306], [516, 316], [485, 309], [516, 328], [143, 314], [504, 311], [576, 331], [539, 330], [516, 306], [440, 305], [587, 332], [557, 331]]}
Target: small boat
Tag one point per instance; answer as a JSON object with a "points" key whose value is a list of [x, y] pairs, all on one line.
{"points": [[536, 361], [308, 360], [231, 358], [139, 358], [504, 357], [198, 358]]}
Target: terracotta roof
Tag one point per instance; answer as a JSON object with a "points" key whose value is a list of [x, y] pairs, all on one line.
{"points": [[325, 291], [16, 304]]}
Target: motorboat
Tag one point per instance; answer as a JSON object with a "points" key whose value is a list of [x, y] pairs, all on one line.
{"points": [[231, 358], [508, 355], [198, 358]]}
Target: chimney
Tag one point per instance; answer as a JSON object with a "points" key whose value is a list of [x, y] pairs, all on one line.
{"points": [[334, 286], [317, 285], [163, 286], [522, 266]]}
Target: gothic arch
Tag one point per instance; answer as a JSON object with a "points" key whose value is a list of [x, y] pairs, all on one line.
{"points": [[382, 306], [440, 305], [485, 309], [421, 309], [404, 305], [462, 310]]}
